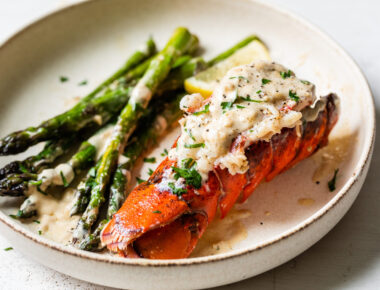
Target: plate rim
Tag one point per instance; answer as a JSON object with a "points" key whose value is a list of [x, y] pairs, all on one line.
{"points": [[364, 159]]}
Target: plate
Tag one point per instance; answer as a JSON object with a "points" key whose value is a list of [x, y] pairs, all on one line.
{"points": [[282, 219]]}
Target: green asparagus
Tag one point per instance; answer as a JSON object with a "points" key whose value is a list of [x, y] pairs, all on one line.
{"points": [[157, 71]]}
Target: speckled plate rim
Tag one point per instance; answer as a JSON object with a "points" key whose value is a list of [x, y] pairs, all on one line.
{"points": [[364, 159]]}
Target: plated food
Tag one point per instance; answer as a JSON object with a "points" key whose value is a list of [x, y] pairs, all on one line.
{"points": [[248, 120], [280, 220]]}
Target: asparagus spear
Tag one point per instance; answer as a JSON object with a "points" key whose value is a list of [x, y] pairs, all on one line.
{"points": [[33, 164], [82, 194], [72, 120], [179, 44], [150, 128]]}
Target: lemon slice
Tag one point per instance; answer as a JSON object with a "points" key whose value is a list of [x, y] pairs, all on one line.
{"points": [[205, 81]]}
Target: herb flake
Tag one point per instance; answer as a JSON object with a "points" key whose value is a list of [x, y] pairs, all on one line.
{"points": [[293, 96], [204, 111], [287, 74], [196, 145], [156, 211], [165, 153], [176, 190], [265, 81], [8, 249], [150, 160], [83, 83], [63, 79], [64, 181], [139, 180], [332, 182], [240, 78]]}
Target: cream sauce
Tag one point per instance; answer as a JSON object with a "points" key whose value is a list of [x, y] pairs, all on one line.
{"points": [[252, 101], [222, 234], [53, 216]]}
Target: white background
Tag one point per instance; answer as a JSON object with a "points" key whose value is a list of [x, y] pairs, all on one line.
{"points": [[349, 256]]}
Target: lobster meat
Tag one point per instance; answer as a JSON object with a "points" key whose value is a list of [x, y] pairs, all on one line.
{"points": [[154, 223]]}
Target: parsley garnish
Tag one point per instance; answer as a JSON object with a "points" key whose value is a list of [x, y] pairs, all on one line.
{"points": [[226, 105], [305, 82], [205, 110], [63, 79], [189, 173], [13, 216], [176, 190], [240, 78], [265, 81], [83, 83], [293, 96], [331, 183], [36, 221], [8, 249], [40, 233], [248, 99], [165, 152], [190, 134], [287, 74], [23, 168], [196, 145], [150, 171], [150, 160], [240, 107], [64, 181], [156, 211], [139, 180], [258, 92]]}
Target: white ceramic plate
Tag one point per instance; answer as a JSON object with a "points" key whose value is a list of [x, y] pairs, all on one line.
{"points": [[288, 215]]}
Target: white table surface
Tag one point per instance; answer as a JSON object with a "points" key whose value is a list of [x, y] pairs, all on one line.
{"points": [[349, 256]]}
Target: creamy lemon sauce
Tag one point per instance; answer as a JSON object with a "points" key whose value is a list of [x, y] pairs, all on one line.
{"points": [[253, 102], [222, 234], [53, 220]]}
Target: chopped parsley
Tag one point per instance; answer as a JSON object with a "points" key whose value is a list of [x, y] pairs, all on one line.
{"points": [[63, 79], [265, 81], [23, 168], [287, 74], [331, 183], [248, 99], [40, 233], [13, 216], [83, 83], [8, 249], [156, 211], [258, 92], [165, 153], [139, 180], [305, 82], [189, 173], [150, 171], [240, 107], [150, 160], [205, 110], [196, 145], [36, 221], [293, 96], [64, 181], [176, 190], [240, 78], [226, 105], [190, 134]]}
